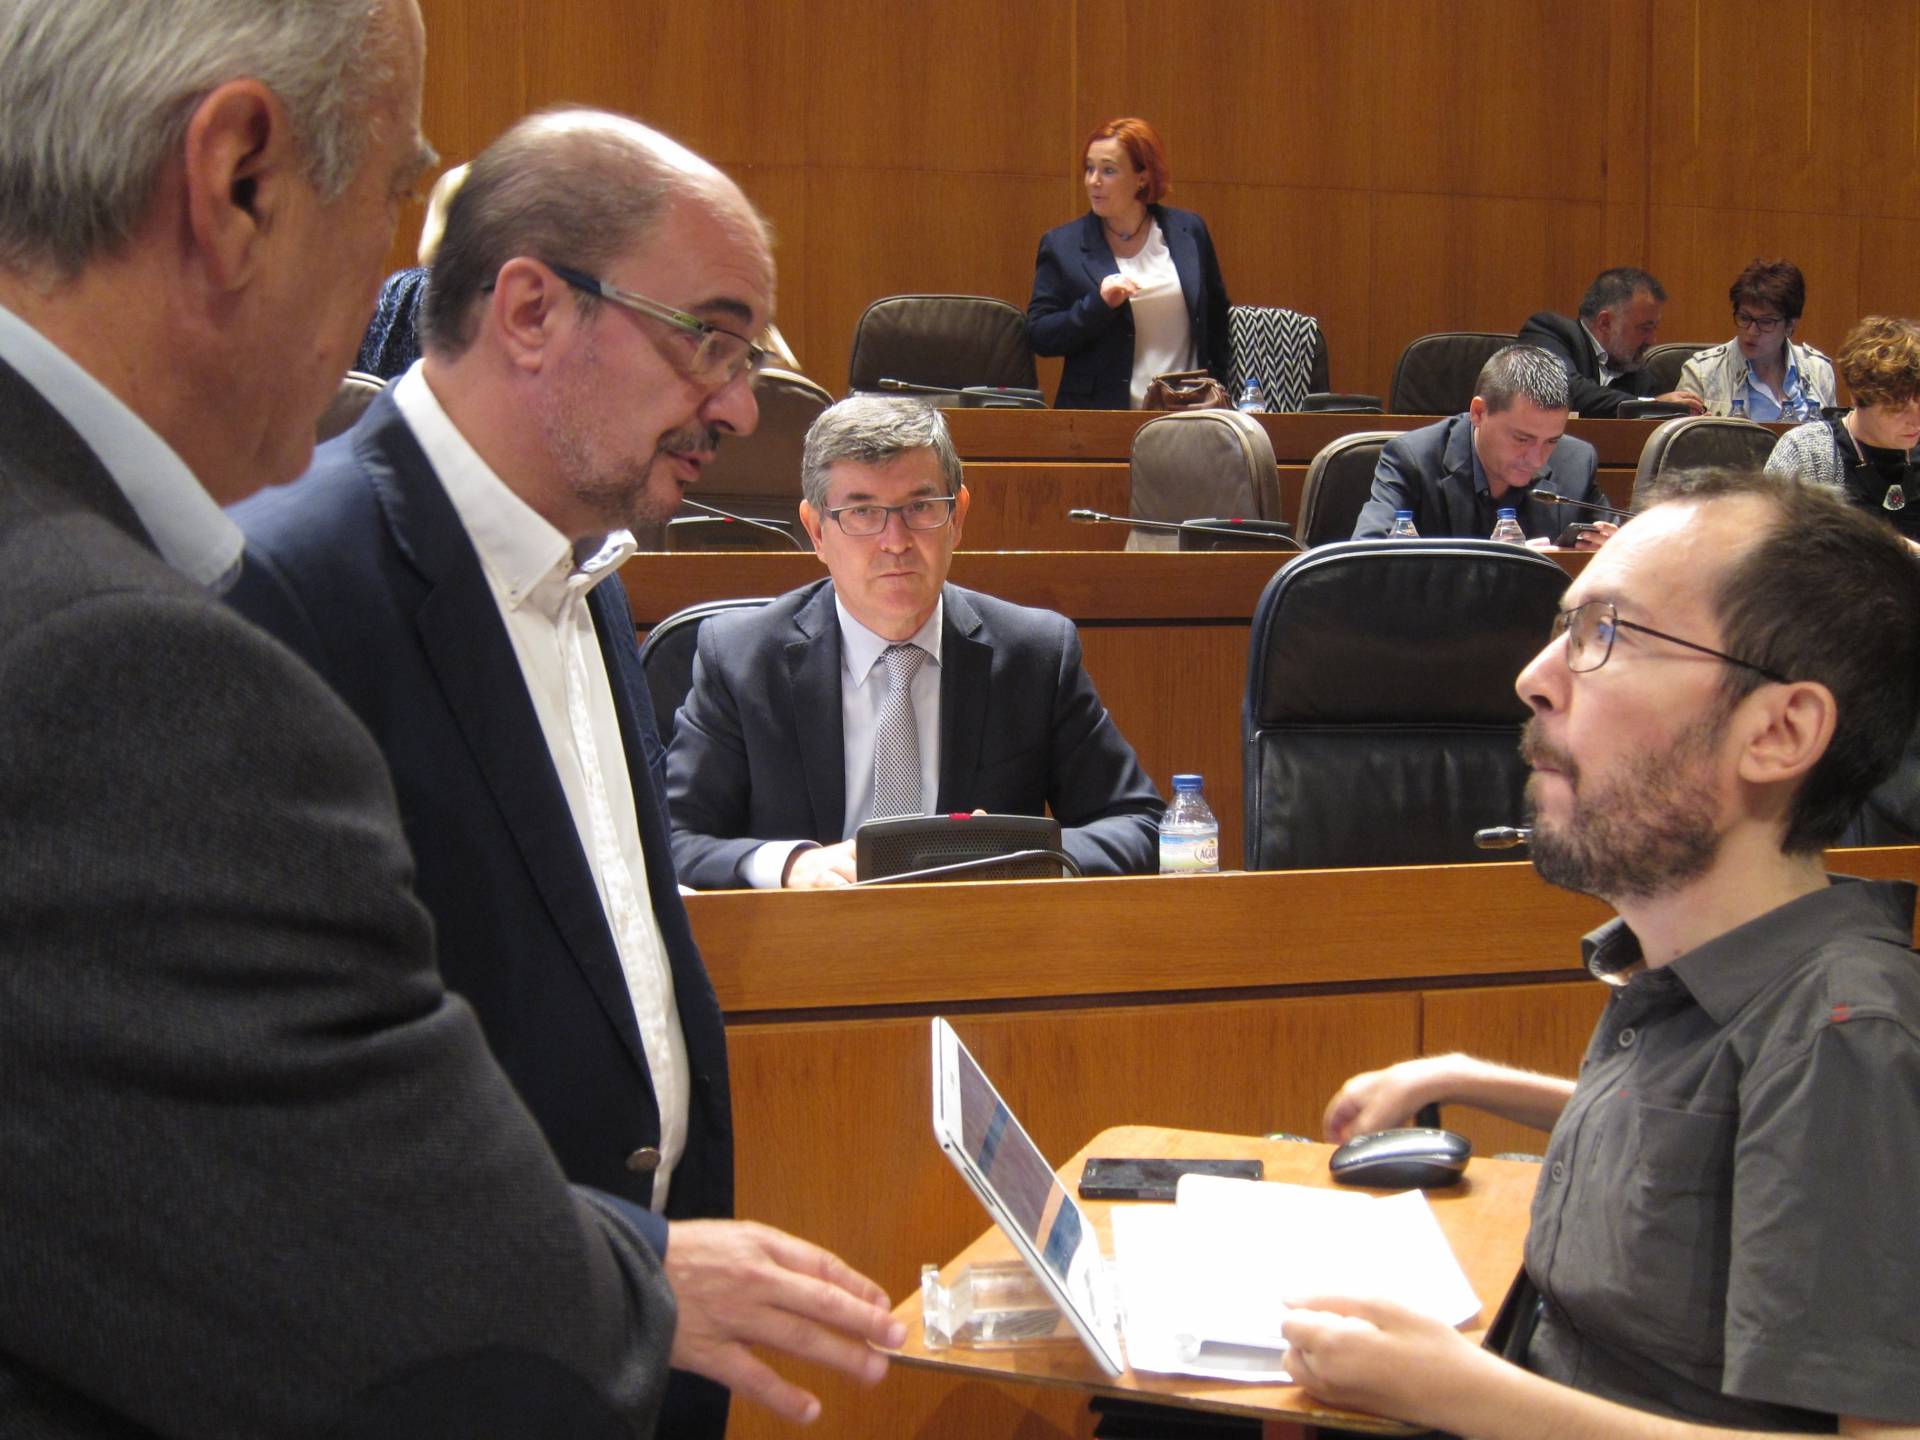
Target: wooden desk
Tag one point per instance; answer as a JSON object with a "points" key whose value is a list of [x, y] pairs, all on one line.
{"points": [[1484, 1217], [1234, 1003]]}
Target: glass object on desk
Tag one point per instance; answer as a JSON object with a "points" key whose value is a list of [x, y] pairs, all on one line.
{"points": [[1189, 831], [1402, 528], [1506, 526], [989, 1305], [1738, 410], [1252, 400]]}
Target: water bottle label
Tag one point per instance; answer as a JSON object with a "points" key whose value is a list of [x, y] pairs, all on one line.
{"points": [[1189, 854]]}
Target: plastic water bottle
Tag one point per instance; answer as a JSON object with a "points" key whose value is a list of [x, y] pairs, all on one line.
{"points": [[1403, 526], [1507, 527], [1252, 401], [1189, 833], [1739, 410]]}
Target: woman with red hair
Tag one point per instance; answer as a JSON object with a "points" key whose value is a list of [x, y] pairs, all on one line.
{"points": [[1131, 289]]}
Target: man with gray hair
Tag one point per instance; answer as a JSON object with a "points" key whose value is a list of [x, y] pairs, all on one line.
{"points": [[884, 690], [1511, 444], [1604, 348], [449, 567]]}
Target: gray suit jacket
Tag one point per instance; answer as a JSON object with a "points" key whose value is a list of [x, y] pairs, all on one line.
{"points": [[1430, 472], [259, 1173], [758, 750]]}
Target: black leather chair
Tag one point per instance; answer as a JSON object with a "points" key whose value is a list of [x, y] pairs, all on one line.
{"points": [[1381, 725], [356, 392], [1200, 463], [666, 658], [1435, 374], [1692, 441], [1339, 482], [946, 341], [1665, 362]]}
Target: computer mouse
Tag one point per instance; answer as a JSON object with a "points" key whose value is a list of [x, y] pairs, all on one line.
{"points": [[1410, 1159]]}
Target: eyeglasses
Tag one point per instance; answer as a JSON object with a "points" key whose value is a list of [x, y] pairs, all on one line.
{"points": [[1759, 324], [1590, 629], [928, 513], [719, 358]]}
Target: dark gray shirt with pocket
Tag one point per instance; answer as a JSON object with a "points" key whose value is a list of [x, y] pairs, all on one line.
{"points": [[1725, 1226]]}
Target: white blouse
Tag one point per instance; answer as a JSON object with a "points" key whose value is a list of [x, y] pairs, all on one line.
{"points": [[1162, 336]]}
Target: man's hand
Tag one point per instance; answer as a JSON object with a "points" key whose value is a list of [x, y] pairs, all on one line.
{"points": [[739, 1284], [1382, 1099], [1381, 1357], [1116, 290], [821, 867], [1684, 397], [1592, 539]]}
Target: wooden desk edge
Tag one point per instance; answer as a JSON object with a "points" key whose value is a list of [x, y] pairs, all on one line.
{"points": [[1064, 1364]]}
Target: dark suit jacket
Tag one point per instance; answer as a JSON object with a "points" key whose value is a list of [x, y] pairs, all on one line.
{"points": [[259, 1173], [1567, 339], [759, 752], [363, 567], [1066, 315], [1430, 472]]}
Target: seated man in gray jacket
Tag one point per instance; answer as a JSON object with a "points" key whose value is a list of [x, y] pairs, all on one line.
{"points": [[1509, 448]]}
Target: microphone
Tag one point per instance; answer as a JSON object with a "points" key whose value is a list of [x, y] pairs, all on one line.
{"points": [[961, 868], [972, 397], [1502, 837], [1547, 497], [714, 510], [1237, 528]]}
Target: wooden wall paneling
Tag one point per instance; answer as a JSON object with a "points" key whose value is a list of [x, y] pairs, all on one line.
{"points": [[779, 192], [1175, 693], [1628, 59], [1889, 276], [1021, 505], [902, 232], [1536, 1027], [1875, 51]]}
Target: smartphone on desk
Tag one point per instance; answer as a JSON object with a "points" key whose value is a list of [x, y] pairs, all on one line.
{"points": [[1122, 1178]]}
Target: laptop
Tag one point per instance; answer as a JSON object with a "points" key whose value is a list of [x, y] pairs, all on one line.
{"points": [[993, 1153]]}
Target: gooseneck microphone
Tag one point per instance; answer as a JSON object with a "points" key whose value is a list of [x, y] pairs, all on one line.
{"points": [[1502, 837], [1244, 532], [714, 510], [1547, 497]]}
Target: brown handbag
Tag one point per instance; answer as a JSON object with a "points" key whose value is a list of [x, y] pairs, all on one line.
{"points": [[1186, 390]]}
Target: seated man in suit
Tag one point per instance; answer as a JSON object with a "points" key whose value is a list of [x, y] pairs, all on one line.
{"points": [[1603, 349], [886, 691], [449, 567], [1509, 446]]}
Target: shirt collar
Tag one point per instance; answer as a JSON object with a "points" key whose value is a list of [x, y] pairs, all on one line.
{"points": [[192, 534], [861, 649], [1600, 356], [529, 562], [1730, 969]]}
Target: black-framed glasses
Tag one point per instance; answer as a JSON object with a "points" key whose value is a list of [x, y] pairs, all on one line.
{"points": [[929, 512], [719, 357], [1759, 324], [1590, 629]]}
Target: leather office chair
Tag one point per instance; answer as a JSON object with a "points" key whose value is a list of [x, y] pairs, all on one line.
{"points": [[947, 341], [1435, 374], [758, 475], [1692, 441], [356, 392], [1381, 725], [1339, 483], [1200, 463], [666, 657], [1665, 362]]}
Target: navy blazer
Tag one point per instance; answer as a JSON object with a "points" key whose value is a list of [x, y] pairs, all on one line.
{"points": [[1430, 472], [364, 568], [1566, 339], [759, 751], [1066, 315]]}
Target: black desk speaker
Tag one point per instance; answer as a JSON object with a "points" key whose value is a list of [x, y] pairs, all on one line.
{"points": [[924, 842]]}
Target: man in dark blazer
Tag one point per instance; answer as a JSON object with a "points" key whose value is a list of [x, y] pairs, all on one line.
{"points": [[773, 760], [1509, 447], [448, 566], [1603, 348], [1067, 315], [259, 1173]]}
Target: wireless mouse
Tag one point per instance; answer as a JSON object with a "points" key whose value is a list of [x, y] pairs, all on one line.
{"points": [[1411, 1159]]}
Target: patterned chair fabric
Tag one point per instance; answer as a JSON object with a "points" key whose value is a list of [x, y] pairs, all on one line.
{"points": [[1281, 348]]}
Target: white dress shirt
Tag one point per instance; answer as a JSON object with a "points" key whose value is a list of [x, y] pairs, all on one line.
{"points": [[540, 583], [1162, 330], [863, 689], [1609, 372], [192, 534]]}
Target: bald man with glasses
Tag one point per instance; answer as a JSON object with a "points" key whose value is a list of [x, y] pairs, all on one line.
{"points": [[885, 691]]}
